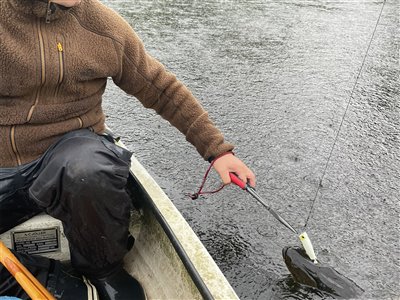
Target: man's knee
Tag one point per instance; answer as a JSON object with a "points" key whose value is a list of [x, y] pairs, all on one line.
{"points": [[79, 164]]}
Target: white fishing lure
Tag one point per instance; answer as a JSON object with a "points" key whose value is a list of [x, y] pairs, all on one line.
{"points": [[306, 242]]}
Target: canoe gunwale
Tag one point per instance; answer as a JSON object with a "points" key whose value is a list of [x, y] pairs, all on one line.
{"points": [[190, 268]]}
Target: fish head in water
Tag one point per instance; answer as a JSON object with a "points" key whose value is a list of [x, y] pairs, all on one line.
{"points": [[300, 266], [324, 278]]}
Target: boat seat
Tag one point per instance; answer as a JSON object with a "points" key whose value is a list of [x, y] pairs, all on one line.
{"points": [[42, 234]]}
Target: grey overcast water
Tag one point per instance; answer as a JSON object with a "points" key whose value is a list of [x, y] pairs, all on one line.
{"points": [[292, 85]]}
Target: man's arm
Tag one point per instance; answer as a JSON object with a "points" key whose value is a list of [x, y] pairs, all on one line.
{"points": [[147, 79]]}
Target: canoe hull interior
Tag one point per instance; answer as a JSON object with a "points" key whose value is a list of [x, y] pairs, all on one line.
{"points": [[167, 258], [154, 262]]}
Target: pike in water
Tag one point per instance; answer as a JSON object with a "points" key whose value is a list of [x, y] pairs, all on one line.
{"points": [[317, 275]]}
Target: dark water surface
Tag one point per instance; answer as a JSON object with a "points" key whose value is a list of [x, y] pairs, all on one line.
{"points": [[286, 83]]}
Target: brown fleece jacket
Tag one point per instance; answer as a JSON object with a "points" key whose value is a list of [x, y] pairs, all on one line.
{"points": [[54, 65]]}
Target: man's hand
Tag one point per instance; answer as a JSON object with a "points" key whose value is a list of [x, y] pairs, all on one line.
{"points": [[230, 163]]}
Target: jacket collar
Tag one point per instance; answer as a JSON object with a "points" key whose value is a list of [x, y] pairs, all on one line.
{"points": [[39, 8]]}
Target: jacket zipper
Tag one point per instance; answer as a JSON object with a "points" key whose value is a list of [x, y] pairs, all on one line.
{"points": [[48, 11], [80, 122], [43, 74], [14, 145], [61, 66], [43, 79]]}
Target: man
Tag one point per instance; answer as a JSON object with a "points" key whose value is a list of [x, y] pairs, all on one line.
{"points": [[55, 58]]}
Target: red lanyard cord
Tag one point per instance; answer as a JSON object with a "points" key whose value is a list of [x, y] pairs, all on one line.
{"points": [[200, 191]]}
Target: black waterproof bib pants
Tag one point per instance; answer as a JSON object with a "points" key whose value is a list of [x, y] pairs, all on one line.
{"points": [[81, 180]]}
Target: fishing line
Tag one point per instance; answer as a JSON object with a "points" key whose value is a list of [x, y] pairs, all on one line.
{"points": [[344, 116]]}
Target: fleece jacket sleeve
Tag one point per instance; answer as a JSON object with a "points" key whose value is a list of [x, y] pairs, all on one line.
{"points": [[147, 79]]}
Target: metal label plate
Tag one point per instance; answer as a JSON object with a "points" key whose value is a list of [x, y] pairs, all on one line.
{"points": [[37, 241]]}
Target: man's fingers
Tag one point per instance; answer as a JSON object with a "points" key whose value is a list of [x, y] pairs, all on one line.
{"points": [[230, 163], [251, 179], [226, 179], [247, 177], [242, 176]]}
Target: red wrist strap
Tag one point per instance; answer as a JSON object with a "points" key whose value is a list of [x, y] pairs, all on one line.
{"points": [[200, 191]]}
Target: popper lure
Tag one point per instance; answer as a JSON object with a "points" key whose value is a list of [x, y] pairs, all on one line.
{"points": [[308, 247]]}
